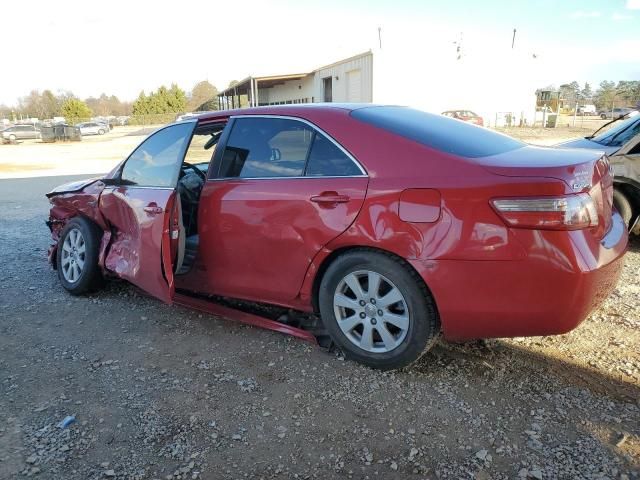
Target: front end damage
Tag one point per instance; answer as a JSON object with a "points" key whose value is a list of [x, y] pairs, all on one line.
{"points": [[70, 200], [84, 198]]}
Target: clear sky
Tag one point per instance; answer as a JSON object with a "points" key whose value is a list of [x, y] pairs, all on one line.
{"points": [[121, 47]]}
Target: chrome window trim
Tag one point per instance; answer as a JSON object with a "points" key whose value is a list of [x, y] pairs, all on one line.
{"points": [[285, 178], [314, 127]]}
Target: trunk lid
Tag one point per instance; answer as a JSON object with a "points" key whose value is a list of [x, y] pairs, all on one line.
{"points": [[580, 169]]}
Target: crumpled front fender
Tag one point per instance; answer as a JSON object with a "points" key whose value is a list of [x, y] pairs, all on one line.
{"points": [[71, 200]]}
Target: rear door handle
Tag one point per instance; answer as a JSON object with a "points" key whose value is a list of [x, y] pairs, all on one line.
{"points": [[153, 208], [330, 198]]}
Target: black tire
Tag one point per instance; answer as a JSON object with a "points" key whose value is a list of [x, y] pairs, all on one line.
{"points": [[603, 116], [100, 132], [623, 205], [423, 326], [90, 278]]}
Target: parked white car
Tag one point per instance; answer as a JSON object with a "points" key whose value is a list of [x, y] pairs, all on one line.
{"points": [[92, 128]]}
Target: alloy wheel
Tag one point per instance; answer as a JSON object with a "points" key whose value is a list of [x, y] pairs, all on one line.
{"points": [[371, 311], [73, 255]]}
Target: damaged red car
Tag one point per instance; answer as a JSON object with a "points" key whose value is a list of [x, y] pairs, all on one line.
{"points": [[374, 227]]}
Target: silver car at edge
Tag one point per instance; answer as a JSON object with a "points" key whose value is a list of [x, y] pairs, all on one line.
{"points": [[20, 132]]}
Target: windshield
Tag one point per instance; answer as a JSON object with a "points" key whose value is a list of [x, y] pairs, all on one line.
{"points": [[620, 133]]}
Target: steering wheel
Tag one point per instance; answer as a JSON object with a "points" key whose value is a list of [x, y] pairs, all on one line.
{"points": [[195, 169]]}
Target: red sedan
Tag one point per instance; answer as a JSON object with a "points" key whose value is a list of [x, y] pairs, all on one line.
{"points": [[377, 227], [465, 116]]}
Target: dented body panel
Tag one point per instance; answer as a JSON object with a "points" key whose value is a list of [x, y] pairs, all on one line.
{"points": [[70, 200], [138, 225]]}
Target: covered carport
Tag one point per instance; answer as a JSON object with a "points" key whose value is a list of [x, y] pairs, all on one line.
{"points": [[250, 87]]}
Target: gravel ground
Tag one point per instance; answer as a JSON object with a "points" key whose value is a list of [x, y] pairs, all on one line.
{"points": [[162, 392]]}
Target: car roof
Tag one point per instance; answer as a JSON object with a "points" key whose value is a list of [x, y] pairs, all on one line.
{"points": [[293, 110]]}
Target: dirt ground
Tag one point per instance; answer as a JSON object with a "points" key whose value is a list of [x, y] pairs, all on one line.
{"points": [[161, 392], [95, 154]]}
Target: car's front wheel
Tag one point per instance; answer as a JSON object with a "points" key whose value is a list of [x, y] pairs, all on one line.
{"points": [[77, 256], [377, 309]]}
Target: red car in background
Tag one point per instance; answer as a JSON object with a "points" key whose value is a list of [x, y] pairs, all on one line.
{"points": [[381, 226], [465, 116]]}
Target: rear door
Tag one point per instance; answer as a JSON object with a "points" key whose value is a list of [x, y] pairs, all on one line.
{"points": [[281, 190], [141, 207], [23, 132]]}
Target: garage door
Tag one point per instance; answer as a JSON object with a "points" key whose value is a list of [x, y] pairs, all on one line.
{"points": [[354, 86]]}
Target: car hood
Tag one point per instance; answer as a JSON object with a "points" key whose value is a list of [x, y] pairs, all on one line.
{"points": [[586, 143], [74, 186]]}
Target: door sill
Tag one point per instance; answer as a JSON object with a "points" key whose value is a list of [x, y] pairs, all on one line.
{"points": [[209, 306]]}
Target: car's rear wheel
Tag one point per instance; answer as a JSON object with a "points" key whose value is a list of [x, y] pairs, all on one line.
{"points": [[377, 309], [100, 132], [623, 205], [77, 256]]}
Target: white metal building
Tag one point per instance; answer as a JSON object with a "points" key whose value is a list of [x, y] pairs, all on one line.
{"points": [[348, 80], [423, 71]]}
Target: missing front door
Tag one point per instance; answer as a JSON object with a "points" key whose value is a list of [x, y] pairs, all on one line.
{"points": [[327, 87]]}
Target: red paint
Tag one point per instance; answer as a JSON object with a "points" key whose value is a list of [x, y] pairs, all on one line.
{"points": [[465, 116], [258, 237], [141, 246], [266, 240]]}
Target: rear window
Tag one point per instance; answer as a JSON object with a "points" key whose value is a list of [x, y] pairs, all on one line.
{"points": [[438, 132]]}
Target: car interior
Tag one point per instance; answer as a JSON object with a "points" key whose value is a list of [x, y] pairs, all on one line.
{"points": [[192, 176]]}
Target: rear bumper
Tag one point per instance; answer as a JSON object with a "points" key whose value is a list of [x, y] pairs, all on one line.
{"points": [[562, 279]]}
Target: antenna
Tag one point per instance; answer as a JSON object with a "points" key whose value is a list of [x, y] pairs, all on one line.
{"points": [[513, 40], [380, 37]]}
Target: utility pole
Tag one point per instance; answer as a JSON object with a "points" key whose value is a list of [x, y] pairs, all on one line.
{"points": [[575, 110], [458, 45], [513, 40]]}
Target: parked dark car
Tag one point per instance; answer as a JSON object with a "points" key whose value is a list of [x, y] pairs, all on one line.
{"points": [[381, 226], [621, 142]]}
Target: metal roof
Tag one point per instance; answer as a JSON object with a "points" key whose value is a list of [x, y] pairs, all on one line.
{"points": [[244, 85], [292, 110]]}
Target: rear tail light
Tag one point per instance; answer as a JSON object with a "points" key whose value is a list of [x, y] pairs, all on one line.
{"points": [[567, 212]]}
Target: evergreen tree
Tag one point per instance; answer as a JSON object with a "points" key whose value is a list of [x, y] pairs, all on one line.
{"points": [[74, 110]]}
